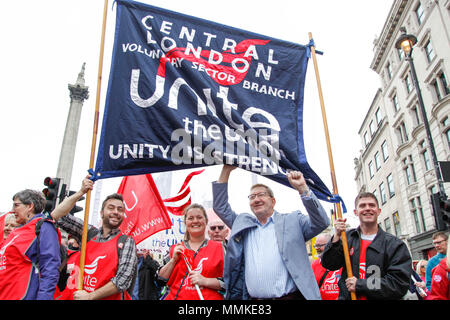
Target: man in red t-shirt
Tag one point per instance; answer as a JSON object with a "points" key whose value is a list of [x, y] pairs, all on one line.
{"points": [[380, 262], [326, 279]]}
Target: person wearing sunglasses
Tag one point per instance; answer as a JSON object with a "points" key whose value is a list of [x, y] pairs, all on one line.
{"points": [[218, 231]]}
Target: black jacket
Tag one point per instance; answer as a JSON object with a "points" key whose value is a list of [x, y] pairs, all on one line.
{"points": [[148, 286], [388, 265]]}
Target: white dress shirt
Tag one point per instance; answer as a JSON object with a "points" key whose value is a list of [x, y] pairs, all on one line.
{"points": [[265, 273]]}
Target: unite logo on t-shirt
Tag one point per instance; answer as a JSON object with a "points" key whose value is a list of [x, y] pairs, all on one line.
{"points": [[366, 240]]}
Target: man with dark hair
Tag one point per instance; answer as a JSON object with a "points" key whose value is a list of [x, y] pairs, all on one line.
{"points": [[365, 195], [381, 263], [110, 256]]}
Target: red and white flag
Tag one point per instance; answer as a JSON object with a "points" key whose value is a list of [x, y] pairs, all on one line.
{"points": [[176, 204], [145, 213]]}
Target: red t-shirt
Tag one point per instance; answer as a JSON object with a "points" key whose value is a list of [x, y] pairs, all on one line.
{"points": [[365, 242]]}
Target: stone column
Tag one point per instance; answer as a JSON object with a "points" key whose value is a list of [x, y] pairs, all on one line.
{"points": [[78, 93]]}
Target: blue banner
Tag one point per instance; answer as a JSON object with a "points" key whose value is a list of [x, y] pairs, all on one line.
{"points": [[186, 92]]}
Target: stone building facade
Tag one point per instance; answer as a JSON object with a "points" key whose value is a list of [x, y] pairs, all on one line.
{"points": [[395, 161]]}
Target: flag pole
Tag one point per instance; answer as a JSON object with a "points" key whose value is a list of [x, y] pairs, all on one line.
{"points": [[330, 158], [94, 143]]}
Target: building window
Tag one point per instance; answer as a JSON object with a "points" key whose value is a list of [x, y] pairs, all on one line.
{"points": [[446, 125], [389, 70], [437, 92], [401, 133], [383, 193], [372, 128], [447, 134], [429, 51], [397, 228], [378, 116], [395, 102], [439, 86], [408, 169], [384, 150], [432, 190], [401, 54], [377, 161], [444, 83], [417, 212], [413, 170], [416, 116], [408, 84], [419, 13], [425, 155], [371, 169], [366, 139], [390, 184], [387, 225]]}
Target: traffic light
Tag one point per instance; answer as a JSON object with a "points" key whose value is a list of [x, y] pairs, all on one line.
{"points": [[51, 193], [441, 209], [68, 194], [75, 208], [445, 210]]}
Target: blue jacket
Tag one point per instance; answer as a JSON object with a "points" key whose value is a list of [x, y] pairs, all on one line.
{"points": [[292, 231], [43, 284], [432, 263]]}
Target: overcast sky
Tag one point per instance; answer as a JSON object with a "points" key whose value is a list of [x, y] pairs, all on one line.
{"points": [[44, 44]]}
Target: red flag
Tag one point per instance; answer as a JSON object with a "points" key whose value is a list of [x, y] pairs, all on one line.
{"points": [[145, 213], [176, 204]]}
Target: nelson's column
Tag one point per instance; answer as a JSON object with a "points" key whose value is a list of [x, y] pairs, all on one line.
{"points": [[78, 93]]}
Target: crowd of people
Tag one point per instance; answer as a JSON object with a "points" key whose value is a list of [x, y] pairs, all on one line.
{"points": [[259, 256]]}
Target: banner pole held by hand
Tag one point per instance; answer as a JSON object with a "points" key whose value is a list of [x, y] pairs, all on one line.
{"points": [[330, 158], [94, 142]]}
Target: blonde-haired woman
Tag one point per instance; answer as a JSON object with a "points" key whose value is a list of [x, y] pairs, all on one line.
{"points": [[421, 267], [10, 224], [195, 268]]}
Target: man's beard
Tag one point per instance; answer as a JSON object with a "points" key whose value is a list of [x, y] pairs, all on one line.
{"points": [[110, 225]]}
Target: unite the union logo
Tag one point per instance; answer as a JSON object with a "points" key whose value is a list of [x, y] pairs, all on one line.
{"points": [[91, 268]]}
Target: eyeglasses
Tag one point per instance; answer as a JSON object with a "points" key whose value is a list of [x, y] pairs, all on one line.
{"points": [[213, 228], [17, 204], [437, 243], [259, 195], [316, 246]]}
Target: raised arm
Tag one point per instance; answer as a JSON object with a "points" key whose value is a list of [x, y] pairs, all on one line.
{"points": [[69, 202], [298, 182], [220, 196], [316, 220], [225, 173]]}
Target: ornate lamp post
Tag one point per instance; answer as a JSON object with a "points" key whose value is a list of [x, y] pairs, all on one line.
{"points": [[406, 43]]}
